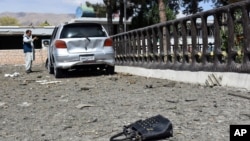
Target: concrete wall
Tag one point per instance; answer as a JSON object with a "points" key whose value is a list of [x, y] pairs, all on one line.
{"points": [[16, 57], [227, 79]]}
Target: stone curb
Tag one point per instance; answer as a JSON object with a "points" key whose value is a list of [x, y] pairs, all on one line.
{"points": [[227, 79]]}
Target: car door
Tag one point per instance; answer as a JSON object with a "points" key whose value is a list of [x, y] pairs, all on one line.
{"points": [[50, 48]]}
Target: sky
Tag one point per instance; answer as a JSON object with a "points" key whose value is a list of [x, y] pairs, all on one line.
{"points": [[50, 6], [43, 6]]}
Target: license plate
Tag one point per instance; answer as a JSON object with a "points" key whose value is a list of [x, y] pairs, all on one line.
{"points": [[87, 58]]}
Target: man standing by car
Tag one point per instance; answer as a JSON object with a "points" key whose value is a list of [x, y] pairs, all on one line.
{"points": [[28, 50]]}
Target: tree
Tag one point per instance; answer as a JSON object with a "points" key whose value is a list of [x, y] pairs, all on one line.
{"points": [[162, 11], [163, 18], [121, 16], [144, 12], [191, 6], [113, 6], [100, 9], [8, 21], [110, 22], [219, 3], [174, 5], [152, 13], [46, 23]]}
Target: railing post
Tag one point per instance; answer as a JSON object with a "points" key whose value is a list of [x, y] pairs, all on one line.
{"points": [[204, 40], [246, 39]]}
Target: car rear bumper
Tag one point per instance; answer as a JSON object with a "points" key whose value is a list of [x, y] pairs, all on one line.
{"points": [[70, 61]]}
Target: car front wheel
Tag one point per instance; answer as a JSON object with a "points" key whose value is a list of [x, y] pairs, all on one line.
{"points": [[49, 67]]}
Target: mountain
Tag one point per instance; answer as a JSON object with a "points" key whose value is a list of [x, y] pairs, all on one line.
{"points": [[26, 19]]}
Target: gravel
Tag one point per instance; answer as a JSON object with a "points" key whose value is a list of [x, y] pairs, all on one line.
{"points": [[90, 106]]}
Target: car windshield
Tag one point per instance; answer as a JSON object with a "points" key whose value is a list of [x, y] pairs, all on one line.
{"points": [[82, 31]]}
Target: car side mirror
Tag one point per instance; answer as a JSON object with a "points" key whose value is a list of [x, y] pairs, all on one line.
{"points": [[45, 43]]}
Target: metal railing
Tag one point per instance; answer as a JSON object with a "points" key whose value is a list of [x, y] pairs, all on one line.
{"points": [[214, 40]]}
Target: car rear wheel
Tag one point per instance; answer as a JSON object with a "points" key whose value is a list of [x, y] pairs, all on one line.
{"points": [[58, 72], [110, 70]]}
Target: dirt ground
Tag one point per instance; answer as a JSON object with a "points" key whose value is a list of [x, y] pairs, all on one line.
{"points": [[90, 106]]}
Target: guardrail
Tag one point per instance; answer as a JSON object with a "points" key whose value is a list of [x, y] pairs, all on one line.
{"points": [[191, 43]]}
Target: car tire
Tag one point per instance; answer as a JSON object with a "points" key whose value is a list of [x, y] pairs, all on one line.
{"points": [[58, 72], [110, 70], [49, 67]]}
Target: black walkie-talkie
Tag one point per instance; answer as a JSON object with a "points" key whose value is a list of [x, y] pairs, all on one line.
{"points": [[153, 128]]}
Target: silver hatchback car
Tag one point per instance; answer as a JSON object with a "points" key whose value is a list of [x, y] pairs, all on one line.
{"points": [[80, 45]]}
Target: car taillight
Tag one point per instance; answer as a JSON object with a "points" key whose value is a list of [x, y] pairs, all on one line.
{"points": [[108, 42], [60, 44]]}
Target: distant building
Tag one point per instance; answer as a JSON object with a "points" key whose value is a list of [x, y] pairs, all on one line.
{"points": [[11, 37]]}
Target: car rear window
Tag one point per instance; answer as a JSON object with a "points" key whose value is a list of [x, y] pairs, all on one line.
{"points": [[82, 30]]}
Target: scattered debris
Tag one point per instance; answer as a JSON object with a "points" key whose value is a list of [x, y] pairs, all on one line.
{"points": [[43, 82], [88, 132], [25, 104], [190, 99], [113, 78], [29, 81], [22, 84], [172, 101], [39, 76], [67, 126], [245, 114], [213, 80], [15, 74], [149, 86], [171, 108], [131, 81], [86, 88], [80, 106], [241, 96], [63, 100], [125, 74], [92, 120], [170, 84], [2, 104]]}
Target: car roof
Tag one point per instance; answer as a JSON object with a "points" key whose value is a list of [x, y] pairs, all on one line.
{"points": [[82, 23]]}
